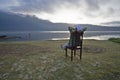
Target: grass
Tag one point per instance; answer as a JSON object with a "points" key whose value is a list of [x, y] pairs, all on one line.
{"points": [[117, 40], [44, 60]]}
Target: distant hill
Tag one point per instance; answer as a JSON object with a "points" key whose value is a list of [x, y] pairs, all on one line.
{"points": [[101, 28], [18, 22], [115, 23]]}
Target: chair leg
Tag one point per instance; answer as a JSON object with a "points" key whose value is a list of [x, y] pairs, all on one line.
{"points": [[74, 52], [80, 53], [66, 52], [71, 55]]}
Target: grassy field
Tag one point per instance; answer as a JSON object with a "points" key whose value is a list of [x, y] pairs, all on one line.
{"points": [[45, 60]]}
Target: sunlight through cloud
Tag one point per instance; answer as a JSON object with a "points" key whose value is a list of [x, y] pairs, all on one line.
{"points": [[66, 11]]}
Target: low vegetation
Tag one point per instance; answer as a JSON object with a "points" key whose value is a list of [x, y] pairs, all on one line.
{"points": [[45, 60], [117, 40]]}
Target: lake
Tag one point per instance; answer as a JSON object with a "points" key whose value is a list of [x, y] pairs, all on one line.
{"points": [[55, 35]]}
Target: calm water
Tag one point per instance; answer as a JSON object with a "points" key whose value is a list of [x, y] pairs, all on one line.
{"points": [[55, 35]]}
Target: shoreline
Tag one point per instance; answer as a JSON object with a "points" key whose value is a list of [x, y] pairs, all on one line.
{"points": [[55, 35], [5, 38]]}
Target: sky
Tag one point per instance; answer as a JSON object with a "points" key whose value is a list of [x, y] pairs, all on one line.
{"points": [[66, 11]]}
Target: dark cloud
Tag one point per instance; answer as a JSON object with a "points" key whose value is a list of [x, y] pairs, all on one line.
{"points": [[42, 5], [6, 4], [50, 5], [91, 9], [33, 6], [92, 5]]}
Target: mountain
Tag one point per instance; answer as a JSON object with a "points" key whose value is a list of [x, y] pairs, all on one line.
{"points": [[19, 22], [101, 28], [116, 23]]}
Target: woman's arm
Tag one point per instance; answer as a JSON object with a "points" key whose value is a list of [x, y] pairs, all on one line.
{"points": [[71, 29]]}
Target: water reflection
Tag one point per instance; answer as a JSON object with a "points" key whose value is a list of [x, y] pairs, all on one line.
{"points": [[102, 37], [57, 35]]}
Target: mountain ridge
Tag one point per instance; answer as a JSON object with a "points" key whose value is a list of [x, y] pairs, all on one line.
{"points": [[19, 22]]}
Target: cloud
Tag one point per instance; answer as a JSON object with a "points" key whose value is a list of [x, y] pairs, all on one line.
{"points": [[50, 6], [33, 6], [91, 5], [42, 5], [86, 10], [6, 5]]}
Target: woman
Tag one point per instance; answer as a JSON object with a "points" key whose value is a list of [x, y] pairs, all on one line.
{"points": [[77, 28]]}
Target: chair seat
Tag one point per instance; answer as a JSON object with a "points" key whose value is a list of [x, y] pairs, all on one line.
{"points": [[76, 47]]}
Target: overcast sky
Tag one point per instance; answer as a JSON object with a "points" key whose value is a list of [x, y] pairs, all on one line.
{"points": [[67, 11]]}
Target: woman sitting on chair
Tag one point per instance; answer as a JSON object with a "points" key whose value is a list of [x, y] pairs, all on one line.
{"points": [[77, 28]]}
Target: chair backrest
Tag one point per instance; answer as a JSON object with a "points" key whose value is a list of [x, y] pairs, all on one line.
{"points": [[76, 39]]}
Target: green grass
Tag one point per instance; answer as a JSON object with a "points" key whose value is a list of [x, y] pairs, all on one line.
{"points": [[44, 60], [117, 40]]}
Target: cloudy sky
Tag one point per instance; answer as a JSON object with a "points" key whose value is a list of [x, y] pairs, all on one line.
{"points": [[67, 11]]}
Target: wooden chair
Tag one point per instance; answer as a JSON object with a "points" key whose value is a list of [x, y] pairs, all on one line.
{"points": [[75, 42]]}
